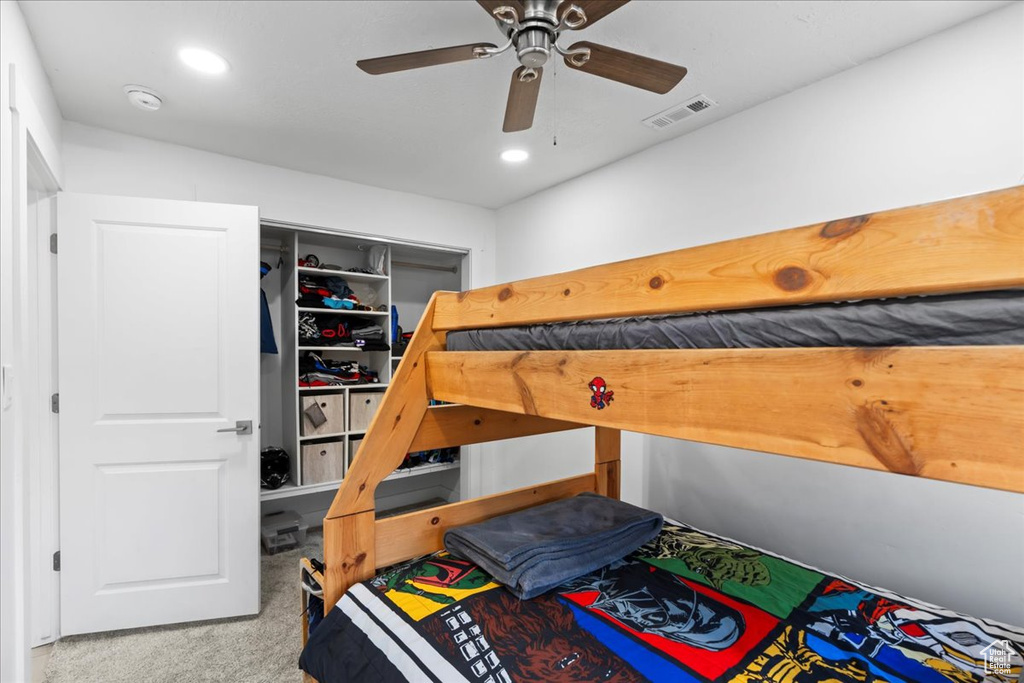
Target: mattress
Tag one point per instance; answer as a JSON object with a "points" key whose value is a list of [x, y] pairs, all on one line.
{"points": [[689, 606], [983, 318]]}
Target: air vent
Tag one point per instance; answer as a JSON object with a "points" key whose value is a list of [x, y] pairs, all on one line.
{"points": [[680, 112]]}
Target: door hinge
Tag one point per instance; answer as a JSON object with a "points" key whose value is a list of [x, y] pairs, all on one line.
{"points": [[56, 561], [55, 403], [53, 243]]}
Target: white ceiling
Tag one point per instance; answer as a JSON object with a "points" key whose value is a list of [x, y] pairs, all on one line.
{"points": [[294, 97]]}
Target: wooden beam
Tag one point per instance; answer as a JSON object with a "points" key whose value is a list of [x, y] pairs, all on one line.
{"points": [[445, 426], [968, 244], [607, 468], [348, 554], [394, 425], [607, 445], [418, 533], [608, 478], [950, 413]]}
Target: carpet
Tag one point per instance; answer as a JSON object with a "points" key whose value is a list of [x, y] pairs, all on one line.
{"points": [[259, 649]]}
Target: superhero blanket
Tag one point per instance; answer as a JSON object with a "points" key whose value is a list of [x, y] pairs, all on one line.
{"points": [[689, 606]]}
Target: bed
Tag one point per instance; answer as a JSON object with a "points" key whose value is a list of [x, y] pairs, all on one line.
{"points": [[931, 385], [689, 606]]}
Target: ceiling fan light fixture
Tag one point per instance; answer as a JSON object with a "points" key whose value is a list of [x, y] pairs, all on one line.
{"points": [[515, 156], [203, 61]]}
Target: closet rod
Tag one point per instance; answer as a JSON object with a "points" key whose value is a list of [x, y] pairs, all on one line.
{"points": [[275, 247], [426, 266]]}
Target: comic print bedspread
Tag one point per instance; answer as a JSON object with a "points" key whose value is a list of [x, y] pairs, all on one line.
{"points": [[689, 606]]}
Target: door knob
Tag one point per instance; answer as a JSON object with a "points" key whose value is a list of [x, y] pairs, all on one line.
{"points": [[241, 427]]}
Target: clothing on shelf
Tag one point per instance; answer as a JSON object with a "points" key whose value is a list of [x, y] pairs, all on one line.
{"points": [[369, 337], [338, 330], [313, 261], [377, 259], [432, 457], [316, 371], [327, 292], [267, 342]]}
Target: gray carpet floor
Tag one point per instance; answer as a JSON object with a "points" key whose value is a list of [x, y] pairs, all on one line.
{"points": [[260, 649]]}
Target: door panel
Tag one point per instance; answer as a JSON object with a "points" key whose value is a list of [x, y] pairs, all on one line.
{"points": [[159, 349]]}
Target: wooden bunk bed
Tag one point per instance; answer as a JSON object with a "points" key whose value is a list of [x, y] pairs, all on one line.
{"points": [[953, 413]]}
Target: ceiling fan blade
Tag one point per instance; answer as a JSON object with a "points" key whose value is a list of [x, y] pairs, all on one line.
{"points": [[522, 100], [417, 60], [594, 9], [626, 67], [491, 5]]}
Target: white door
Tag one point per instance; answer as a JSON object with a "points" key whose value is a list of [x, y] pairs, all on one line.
{"points": [[159, 355]]}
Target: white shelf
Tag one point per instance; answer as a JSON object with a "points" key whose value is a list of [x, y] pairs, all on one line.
{"points": [[290, 489], [343, 311], [422, 469], [339, 348], [342, 387], [314, 437], [346, 274]]}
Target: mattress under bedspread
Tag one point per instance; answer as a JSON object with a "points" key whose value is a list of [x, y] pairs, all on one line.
{"points": [[984, 318], [689, 606]]}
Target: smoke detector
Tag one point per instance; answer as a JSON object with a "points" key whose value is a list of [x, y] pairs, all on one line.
{"points": [[680, 112], [142, 97]]}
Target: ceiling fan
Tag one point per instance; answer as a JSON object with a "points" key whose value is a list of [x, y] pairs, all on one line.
{"points": [[533, 27]]}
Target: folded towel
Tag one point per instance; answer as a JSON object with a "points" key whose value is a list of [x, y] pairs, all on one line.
{"points": [[535, 550]]}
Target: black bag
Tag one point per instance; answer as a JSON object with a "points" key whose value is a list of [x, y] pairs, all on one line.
{"points": [[275, 467]]}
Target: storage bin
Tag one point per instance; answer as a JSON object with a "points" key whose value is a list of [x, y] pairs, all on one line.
{"points": [[361, 407], [282, 530], [353, 448], [322, 462], [333, 408]]}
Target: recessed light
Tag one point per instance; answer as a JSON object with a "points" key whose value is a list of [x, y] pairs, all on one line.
{"points": [[515, 155], [203, 61]]}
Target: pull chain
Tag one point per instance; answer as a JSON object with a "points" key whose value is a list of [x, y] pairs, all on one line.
{"points": [[554, 101]]}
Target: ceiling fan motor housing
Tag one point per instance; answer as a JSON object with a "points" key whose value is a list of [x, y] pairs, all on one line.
{"points": [[537, 32], [533, 47]]}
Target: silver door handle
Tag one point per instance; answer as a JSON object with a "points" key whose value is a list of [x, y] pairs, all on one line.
{"points": [[241, 427]]}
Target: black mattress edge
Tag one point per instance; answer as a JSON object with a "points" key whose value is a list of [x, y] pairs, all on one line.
{"points": [[977, 318]]}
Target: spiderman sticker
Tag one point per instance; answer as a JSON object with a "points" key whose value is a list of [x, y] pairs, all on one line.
{"points": [[602, 396]]}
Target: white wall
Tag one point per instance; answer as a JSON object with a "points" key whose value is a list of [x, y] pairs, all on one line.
{"points": [[29, 128], [934, 120], [103, 162]]}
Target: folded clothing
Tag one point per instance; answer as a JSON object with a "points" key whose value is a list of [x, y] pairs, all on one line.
{"points": [[367, 331], [331, 292], [316, 371], [535, 550]]}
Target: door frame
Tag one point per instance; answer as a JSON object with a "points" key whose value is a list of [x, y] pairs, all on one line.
{"points": [[44, 462], [31, 159]]}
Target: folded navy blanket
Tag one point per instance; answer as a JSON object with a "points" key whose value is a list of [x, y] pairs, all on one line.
{"points": [[535, 550]]}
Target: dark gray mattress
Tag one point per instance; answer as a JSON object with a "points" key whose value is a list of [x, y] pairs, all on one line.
{"points": [[983, 318]]}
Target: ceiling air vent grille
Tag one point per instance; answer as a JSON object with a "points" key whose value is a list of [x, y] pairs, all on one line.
{"points": [[680, 112]]}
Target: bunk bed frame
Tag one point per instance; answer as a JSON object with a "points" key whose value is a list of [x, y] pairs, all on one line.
{"points": [[948, 413]]}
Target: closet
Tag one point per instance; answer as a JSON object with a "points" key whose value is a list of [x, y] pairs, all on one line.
{"points": [[338, 304]]}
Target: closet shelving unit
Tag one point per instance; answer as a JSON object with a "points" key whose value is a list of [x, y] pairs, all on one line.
{"points": [[320, 457]]}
